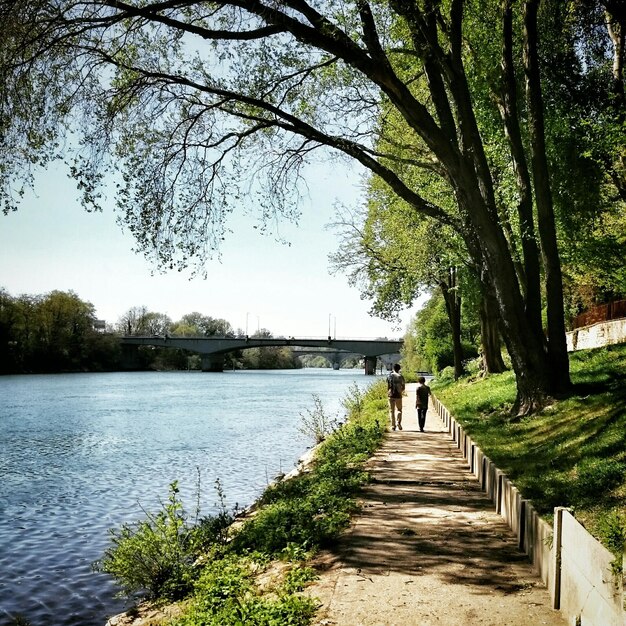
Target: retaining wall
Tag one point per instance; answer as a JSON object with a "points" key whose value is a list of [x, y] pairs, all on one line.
{"points": [[575, 567], [597, 335]]}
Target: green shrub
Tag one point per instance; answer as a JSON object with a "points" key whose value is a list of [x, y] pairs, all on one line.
{"points": [[446, 375], [316, 423], [354, 401], [155, 556], [226, 593], [152, 556], [612, 531]]}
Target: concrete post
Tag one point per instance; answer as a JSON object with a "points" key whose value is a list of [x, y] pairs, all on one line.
{"points": [[212, 362], [130, 357], [557, 539], [370, 365]]}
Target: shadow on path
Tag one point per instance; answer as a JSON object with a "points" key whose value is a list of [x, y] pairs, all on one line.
{"points": [[425, 524]]}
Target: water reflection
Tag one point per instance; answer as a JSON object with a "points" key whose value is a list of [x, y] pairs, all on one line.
{"points": [[79, 453]]}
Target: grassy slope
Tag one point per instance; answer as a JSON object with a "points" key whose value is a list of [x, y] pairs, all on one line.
{"points": [[573, 453]]}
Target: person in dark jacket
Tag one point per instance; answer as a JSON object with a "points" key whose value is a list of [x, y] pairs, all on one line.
{"points": [[421, 401]]}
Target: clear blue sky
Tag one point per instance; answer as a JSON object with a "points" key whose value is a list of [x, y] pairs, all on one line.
{"points": [[52, 243]]}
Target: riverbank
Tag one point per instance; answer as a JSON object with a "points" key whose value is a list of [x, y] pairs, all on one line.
{"points": [[427, 547], [262, 560], [424, 547], [83, 453]]}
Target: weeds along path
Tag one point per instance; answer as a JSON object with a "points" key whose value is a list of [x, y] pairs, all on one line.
{"points": [[427, 547]]}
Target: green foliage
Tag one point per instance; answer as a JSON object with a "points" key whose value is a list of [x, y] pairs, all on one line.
{"points": [[316, 423], [218, 566], [227, 593], [51, 333], [446, 375], [212, 530], [428, 344], [353, 401], [572, 453], [611, 528], [156, 556], [152, 556], [297, 578]]}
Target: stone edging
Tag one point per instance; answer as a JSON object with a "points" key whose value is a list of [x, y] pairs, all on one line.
{"points": [[574, 566]]}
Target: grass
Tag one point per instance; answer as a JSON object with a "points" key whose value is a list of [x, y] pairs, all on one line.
{"points": [[572, 453], [253, 571]]}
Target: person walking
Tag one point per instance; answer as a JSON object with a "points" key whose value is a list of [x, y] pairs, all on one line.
{"points": [[421, 401], [395, 390]]}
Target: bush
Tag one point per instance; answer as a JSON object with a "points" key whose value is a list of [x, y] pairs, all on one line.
{"points": [[164, 556], [226, 593], [152, 556], [446, 375], [353, 402], [612, 531], [155, 557], [316, 423]]}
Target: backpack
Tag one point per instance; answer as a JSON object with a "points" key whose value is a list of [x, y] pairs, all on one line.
{"points": [[394, 386]]}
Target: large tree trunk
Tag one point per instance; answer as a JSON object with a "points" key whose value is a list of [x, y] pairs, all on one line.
{"points": [[616, 27], [510, 117], [557, 345], [525, 345], [490, 333], [452, 300]]}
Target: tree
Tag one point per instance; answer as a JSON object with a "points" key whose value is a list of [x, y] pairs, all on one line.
{"points": [[428, 342], [393, 256], [207, 325], [133, 321], [269, 357], [161, 99], [52, 333]]}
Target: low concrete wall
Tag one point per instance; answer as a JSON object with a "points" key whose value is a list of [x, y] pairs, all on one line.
{"points": [[573, 565], [597, 335], [590, 594]]}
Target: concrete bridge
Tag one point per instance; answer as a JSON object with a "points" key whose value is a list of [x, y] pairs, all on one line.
{"points": [[213, 349], [337, 357]]}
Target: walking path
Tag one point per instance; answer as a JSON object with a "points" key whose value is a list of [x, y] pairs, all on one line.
{"points": [[427, 547]]}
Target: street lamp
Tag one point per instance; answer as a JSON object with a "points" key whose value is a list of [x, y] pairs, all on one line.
{"points": [[247, 316]]}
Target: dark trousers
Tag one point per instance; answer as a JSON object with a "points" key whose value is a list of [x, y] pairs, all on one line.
{"points": [[421, 417]]}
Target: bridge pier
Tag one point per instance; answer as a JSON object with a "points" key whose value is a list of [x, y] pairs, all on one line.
{"points": [[212, 362], [130, 358], [370, 365]]}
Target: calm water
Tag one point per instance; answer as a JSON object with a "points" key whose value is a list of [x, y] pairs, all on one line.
{"points": [[81, 453]]}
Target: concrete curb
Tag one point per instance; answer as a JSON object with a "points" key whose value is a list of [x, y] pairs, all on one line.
{"points": [[574, 566]]}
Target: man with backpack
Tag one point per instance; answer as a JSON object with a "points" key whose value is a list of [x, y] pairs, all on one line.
{"points": [[395, 389]]}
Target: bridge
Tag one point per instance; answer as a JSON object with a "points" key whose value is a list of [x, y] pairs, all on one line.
{"points": [[213, 349], [337, 357]]}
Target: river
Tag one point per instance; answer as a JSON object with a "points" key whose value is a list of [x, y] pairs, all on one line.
{"points": [[82, 453]]}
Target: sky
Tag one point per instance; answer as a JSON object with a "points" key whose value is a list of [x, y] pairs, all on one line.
{"points": [[51, 243]]}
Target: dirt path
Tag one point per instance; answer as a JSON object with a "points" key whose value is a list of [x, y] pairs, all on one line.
{"points": [[427, 547]]}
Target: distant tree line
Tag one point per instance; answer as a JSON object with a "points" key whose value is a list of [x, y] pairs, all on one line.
{"points": [[57, 332]]}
